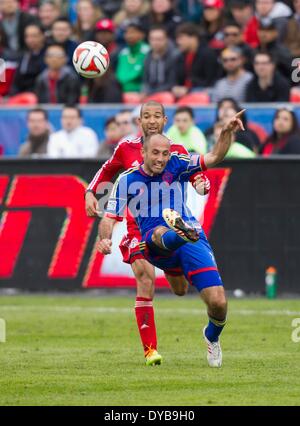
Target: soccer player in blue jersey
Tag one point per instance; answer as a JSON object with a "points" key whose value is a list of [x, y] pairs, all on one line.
{"points": [[172, 238]]}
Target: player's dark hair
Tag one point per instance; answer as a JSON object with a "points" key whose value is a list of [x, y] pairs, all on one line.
{"points": [[38, 110], [152, 103], [186, 109], [71, 106]]}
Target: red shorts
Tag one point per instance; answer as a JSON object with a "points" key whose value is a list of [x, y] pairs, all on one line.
{"points": [[130, 248]]}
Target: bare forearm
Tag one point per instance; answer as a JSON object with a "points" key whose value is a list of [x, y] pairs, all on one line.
{"points": [[106, 228], [220, 149]]}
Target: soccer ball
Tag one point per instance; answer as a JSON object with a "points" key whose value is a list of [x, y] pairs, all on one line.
{"points": [[90, 59]]}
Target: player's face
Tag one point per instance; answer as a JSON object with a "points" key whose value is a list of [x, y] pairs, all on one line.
{"points": [[156, 154], [152, 120]]}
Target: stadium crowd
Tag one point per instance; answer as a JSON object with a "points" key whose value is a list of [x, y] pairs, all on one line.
{"points": [[174, 51]]}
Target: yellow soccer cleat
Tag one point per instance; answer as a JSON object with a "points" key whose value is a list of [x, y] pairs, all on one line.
{"points": [[153, 357]]}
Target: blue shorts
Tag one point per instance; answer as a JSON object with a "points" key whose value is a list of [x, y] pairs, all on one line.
{"points": [[193, 260]]}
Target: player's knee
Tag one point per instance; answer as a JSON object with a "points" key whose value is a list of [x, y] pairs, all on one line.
{"points": [[181, 291], [218, 306], [157, 234]]}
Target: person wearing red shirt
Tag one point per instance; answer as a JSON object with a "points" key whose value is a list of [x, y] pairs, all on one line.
{"points": [[126, 155]]}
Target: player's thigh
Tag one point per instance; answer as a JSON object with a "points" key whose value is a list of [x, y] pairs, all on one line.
{"points": [[178, 284], [145, 276]]}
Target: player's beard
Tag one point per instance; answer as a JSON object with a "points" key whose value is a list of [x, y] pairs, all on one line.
{"points": [[157, 131]]}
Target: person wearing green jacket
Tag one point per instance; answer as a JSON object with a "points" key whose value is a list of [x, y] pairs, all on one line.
{"points": [[236, 150], [130, 64], [185, 132]]}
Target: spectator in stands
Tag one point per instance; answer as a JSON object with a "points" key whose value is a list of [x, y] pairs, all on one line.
{"points": [[268, 12], [105, 35], [160, 63], [61, 32], [246, 137], [32, 62], [48, 12], [242, 12], [269, 42], [211, 27], [191, 11], [130, 65], [112, 137], [236, 150], [109, 7], [162, 12], [88, 13], [275, 12], [292, 34], [12, 25], [74, 140], [105, 89], [38, 137], [58, 83], [285, 136], [197, 66], [131, 9], [184, 131], [235, 82], [233, 37], [126, 125], [268, 85]]}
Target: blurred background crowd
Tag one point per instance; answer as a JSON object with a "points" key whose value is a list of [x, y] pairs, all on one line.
{"points": [[178, 52]]}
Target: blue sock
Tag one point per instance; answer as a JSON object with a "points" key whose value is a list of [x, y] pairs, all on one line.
{"points": [[172, 241], [214, 329]]}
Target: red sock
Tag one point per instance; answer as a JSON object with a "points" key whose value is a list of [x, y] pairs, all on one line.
{"points": [[144, 313]]}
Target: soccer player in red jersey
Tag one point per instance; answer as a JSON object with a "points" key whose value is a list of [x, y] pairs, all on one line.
{"points": [[126, 155]]}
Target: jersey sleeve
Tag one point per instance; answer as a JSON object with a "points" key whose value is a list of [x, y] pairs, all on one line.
{"points": [[188, 165], [107, 172], [117, 203], [180, 149]]}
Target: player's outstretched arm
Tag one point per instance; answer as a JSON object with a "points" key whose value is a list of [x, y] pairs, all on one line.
{"points": [[105, 232], [218, 152]]}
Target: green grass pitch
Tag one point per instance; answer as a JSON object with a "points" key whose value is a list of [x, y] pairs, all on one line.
{"points": [[78, 350]]}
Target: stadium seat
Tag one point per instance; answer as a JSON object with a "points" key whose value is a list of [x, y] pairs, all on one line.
{"points": [[132, 98], [295, 95], [165, 98], [259, 130], [26, 98], [196, 98]]}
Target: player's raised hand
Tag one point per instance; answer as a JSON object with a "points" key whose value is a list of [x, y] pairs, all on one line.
{"points": [[201, 184], [104, 246], [235, 123], [91, 204]]}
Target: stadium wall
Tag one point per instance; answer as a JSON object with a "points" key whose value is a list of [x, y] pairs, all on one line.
{"points": [[13, 129], [47, 243]]}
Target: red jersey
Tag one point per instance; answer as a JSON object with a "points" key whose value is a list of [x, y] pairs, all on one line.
{"points": [[127, 154]]}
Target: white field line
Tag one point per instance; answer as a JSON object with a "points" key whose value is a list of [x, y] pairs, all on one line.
{"points": [[160, 311]]}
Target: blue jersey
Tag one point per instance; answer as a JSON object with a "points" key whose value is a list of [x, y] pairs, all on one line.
{"points": [[147, 196]]}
